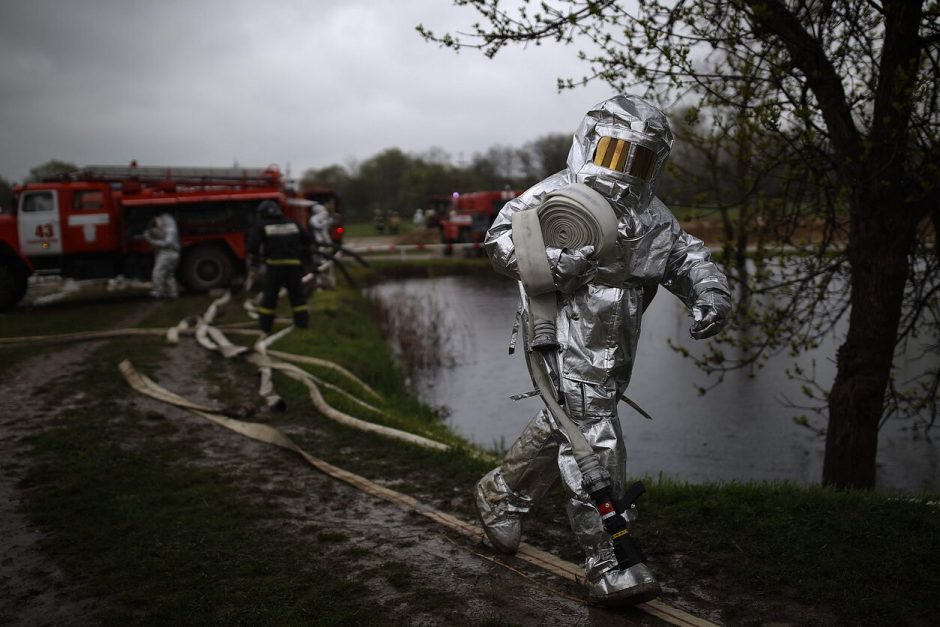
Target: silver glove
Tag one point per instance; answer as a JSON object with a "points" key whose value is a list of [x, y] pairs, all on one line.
{"points": [[710, 314], [571, 268]]}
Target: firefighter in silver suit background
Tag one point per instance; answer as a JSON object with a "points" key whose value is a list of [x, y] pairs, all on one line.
{"points": [[164, 237], [619, 150]]}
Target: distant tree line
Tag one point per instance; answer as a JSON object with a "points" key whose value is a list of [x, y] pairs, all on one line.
{"points": [[6, 195], [49, 169], [393, 180]]}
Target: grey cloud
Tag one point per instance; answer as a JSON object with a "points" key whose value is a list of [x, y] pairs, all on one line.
{"points": [[309, 83]]}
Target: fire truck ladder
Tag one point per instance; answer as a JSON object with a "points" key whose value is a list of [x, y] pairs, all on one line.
{"points": [[194, 176]]}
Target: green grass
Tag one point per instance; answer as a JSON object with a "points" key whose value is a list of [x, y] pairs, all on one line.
{"points": [[10, 356], [60, 318], [170, 312], [872, 558]]}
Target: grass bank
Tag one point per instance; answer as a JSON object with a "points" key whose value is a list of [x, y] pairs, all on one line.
{"points": [[148, 529]]}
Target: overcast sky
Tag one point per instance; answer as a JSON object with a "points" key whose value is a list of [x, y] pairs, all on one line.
{"points": [[297, 83]]}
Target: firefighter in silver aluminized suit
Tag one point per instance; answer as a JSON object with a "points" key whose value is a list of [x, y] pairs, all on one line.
{"points": [[164, 237], [619, 150]]}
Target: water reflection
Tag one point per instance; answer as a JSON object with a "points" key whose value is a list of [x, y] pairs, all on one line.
{"points": [[737, 431]]}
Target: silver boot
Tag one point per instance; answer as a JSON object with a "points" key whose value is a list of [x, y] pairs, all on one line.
{"points": [[502, 527], [630, 586]]}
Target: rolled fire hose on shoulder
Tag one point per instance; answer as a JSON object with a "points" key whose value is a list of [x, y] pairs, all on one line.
{"points": [[572, 217]]}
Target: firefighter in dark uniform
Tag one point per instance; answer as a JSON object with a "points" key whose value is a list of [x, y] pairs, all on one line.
{"points": [[283, 245]]}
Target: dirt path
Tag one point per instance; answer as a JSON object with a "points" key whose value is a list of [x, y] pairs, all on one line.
{"points": [[34, 591]]}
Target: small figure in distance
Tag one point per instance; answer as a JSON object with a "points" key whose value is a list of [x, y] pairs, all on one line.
{"points": [[163, 236]]}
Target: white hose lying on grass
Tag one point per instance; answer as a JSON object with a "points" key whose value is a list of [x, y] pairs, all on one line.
{"points": [[323, 363], [225, 347], [173, 333], [265, 360], [299, 374]]}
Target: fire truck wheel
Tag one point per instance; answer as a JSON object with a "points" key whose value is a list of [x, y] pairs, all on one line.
{"points": [[207, 267], [12, 287]]}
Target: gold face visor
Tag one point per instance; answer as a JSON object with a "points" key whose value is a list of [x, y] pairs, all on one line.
{"points": [[622, 156]]}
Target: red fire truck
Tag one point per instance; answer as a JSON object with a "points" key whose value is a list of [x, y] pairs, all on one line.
{"points": [[472, 214], [90, 223]]}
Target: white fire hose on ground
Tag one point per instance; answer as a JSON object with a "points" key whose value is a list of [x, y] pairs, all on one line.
{"points": [[572, 217]]}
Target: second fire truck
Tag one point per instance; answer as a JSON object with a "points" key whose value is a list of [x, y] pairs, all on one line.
{"points": [[472, 214]]}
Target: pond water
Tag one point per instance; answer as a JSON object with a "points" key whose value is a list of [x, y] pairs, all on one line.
{"points": [[740, 430]]}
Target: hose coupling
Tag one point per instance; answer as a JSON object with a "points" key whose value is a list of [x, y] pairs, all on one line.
{"points": [[545, 336]]}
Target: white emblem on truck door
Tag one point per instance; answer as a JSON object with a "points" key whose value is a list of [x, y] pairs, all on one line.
{"points": [[38, 221]]}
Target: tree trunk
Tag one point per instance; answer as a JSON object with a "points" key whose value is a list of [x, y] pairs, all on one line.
{"points": [[882, 238]]}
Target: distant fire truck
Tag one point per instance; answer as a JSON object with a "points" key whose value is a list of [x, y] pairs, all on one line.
{"points": [[472, 214], [90, 224]]}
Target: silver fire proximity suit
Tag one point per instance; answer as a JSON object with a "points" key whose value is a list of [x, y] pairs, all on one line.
{"points": [[619, 150], [165, 240], [320, 223]]}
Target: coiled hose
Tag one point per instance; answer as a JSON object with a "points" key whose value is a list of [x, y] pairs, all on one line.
{"points": [[572, 217]]}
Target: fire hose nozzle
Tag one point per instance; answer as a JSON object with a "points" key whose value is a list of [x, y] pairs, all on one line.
{"points": [[634, 492], [597, 483]]}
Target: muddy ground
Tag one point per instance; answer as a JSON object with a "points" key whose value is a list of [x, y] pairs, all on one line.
{"points": [[34, 590]]}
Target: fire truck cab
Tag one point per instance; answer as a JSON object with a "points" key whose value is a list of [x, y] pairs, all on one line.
{"points": [[90, 224]]}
